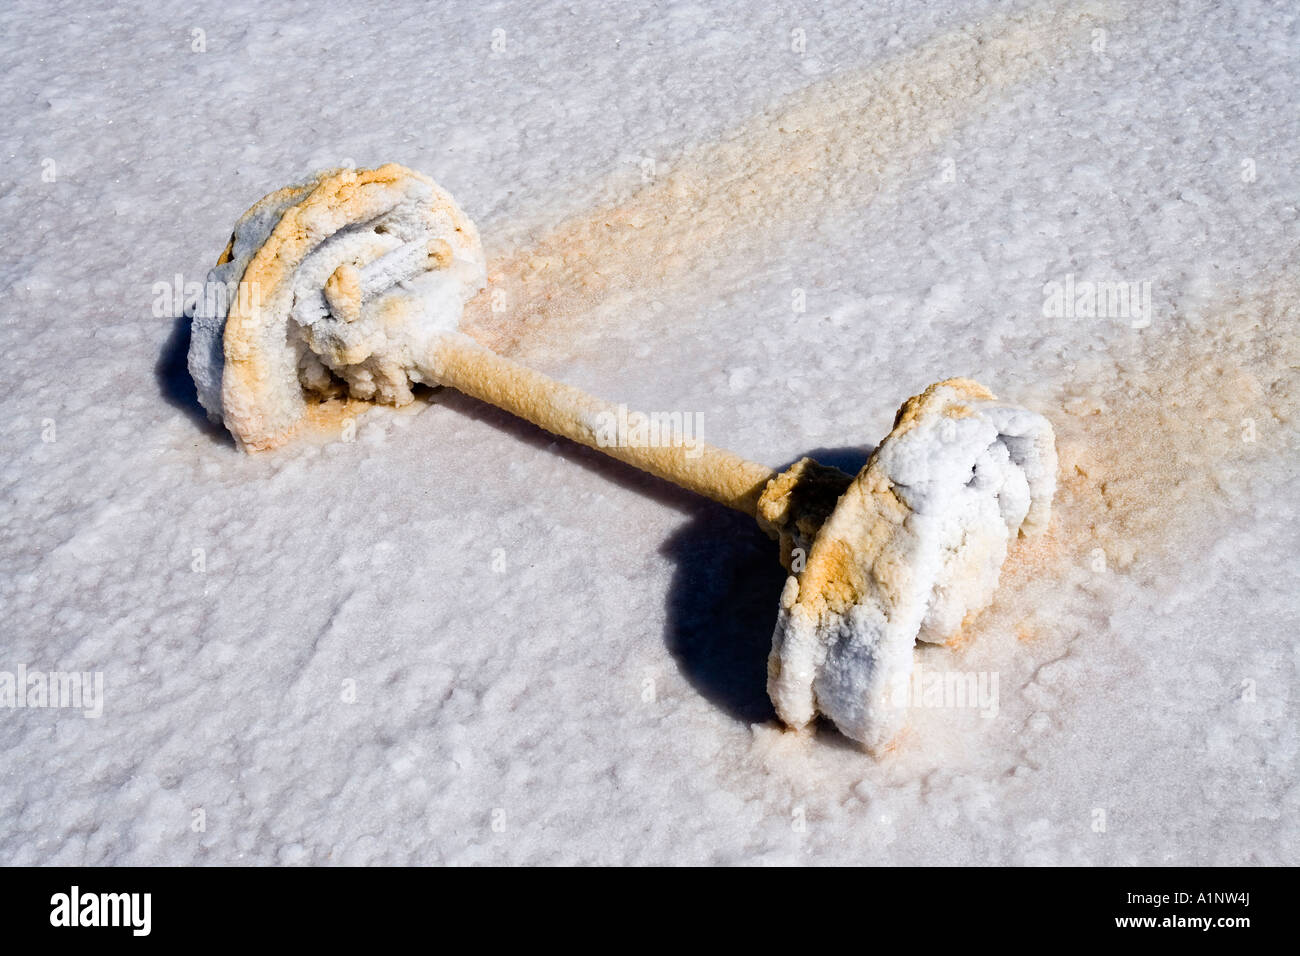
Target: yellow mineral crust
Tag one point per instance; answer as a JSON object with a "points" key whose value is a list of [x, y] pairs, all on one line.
{"points": [[262, 400], [911, 551], [841, 568]]}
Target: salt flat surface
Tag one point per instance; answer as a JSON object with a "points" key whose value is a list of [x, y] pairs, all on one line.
{"points": [[454, 640]]}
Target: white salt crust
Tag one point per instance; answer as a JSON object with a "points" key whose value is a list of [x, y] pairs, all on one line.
{"points": [[342, 285], [927, 524]]}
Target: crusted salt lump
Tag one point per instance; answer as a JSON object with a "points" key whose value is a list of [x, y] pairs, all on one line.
{"points": [[913, 547], [208, 322], [342, 284]]}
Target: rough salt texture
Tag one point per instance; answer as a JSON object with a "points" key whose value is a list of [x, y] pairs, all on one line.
{"points": [[206, 358], [340, 285], [913, 548], [452, 640]]}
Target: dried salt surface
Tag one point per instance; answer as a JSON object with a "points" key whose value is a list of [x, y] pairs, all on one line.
{"points": [[830, 144], [603, 699]]}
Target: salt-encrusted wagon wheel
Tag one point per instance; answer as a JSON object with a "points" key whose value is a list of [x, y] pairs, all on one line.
{"points": [[344, 281], [354, 282]]}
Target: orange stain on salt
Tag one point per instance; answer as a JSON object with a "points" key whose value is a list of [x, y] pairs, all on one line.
{"points": [[833, 144]]}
